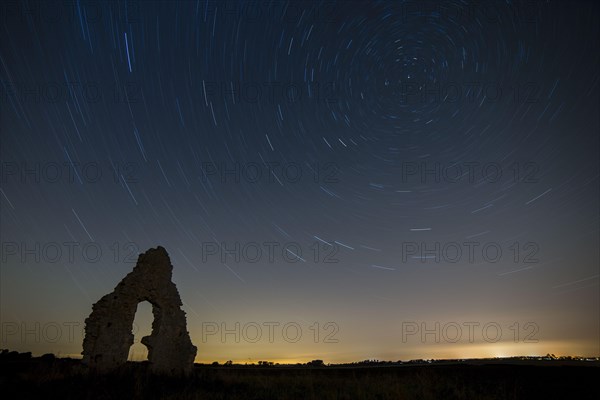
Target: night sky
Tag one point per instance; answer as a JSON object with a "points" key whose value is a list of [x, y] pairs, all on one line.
{"points": [[353, 169]]}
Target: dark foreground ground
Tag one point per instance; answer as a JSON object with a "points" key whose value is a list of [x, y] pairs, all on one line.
{"points": [[37, 378]]}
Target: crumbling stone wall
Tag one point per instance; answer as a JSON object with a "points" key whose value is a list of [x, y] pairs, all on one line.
{"points": [[108, 335]]}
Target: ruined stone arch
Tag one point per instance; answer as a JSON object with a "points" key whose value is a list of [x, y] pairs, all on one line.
{"points": [[108, 329]]}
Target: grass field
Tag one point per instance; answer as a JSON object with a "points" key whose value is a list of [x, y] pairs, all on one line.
{"points": [[48, 377]]}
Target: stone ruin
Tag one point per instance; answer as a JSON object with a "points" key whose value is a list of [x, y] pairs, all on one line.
{"points": [[108, 329]]}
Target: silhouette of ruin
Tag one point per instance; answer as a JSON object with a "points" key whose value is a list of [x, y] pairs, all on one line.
{"points": [[108, 329]]}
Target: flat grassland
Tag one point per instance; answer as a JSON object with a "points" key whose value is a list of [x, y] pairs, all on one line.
{"points": [[49, 377]]}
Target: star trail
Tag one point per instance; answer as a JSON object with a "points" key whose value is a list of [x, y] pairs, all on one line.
{"points": [[354, 169]]}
